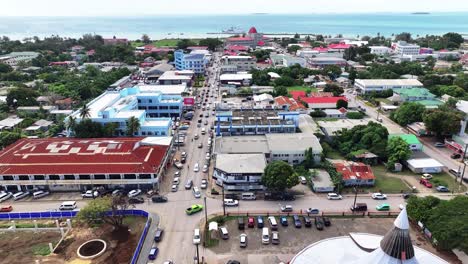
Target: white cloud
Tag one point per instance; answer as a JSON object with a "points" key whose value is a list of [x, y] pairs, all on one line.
{"points": [[194, 7]]}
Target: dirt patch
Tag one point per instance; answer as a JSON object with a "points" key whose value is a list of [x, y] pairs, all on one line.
{"points": [[91, 248]]}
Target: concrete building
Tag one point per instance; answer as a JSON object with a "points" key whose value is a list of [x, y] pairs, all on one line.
{"points": [[322, 182], [289, 104], [286, 60], [10, 123], [404, 48], [329, 128], [334, 113], [66, 164], [252, 39], [255, 122], [425, 166], [176, 77], [412, 140], [380, 50], [323, 102], [325, 61], [378, 85], [242, 63], [14, 58], [241, 172], [237, 80], [195, 62], [355, 173], [152, 105]]}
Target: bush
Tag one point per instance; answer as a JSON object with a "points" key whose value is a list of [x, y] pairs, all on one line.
{"points": [[355, 115], [318, 113]]}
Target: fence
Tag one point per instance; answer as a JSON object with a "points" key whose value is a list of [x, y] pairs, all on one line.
{"points": [[70, 214], [330, 214]]}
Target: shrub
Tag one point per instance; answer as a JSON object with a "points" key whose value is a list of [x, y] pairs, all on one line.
{"points": [[355, 115]]}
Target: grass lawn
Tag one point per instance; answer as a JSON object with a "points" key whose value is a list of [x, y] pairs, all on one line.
{"points": [[160, 43], [446, 180], [385, 183], [333, 154], [384, 100], [301, 88]]}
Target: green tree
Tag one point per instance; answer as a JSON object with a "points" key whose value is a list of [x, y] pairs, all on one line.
{"points": [[86, 128], [404, 36], [454, 38], [260, 77], [133, 125], [341, 103], [333, 88], [7, 138], [70, 123], [333, 71], [309, 160], [408, 113], [442, 121], [85, 112], [297, 36], [4, 68], [372, 137], [211, 43], [319, 38], [355, 115], [21, 97], [146, 39], [106, 209], [109, 129], [398, 151], [452, 90], [294, 48], [280, 91], [419, 209], [462, 81], [279, 176], [350, 54], [185, 43], [284, 81]]}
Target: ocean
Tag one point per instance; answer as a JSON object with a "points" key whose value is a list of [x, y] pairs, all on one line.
{"points": [[178, 26]]}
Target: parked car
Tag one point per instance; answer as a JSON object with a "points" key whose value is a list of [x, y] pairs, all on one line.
{"points": [[383, 207], [260, 222], [90, 194], [334, 196], [297, 221], [5, 209], [455, 155], [426, 183], [275, 238], [379, 196], [158, 235], [196, 192], [312, 210], [20, 195], [204, 184], [205, 168], [196, 236], [136, 200], [251, 222], [426, 176], [194, 209], [40, 194], [359, 207], [200, 145], [326, 221], [442, 189], [231, 202], [188, 185], [243, 240], [439, 145], [455, 172], [286, 208], [134, 193], [117, 192], [284, 220], [196, 168], [174, 188], [407, 195], [153, 253], [307, 221], [159, 199], [5, 196], [319, 223]]}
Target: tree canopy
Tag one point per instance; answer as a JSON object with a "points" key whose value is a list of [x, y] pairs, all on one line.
{"points": [[442, 121], [279, 176], [105, 209], [333, 88], [398, 151], [407, 113], [22, 97], [372, 137]]}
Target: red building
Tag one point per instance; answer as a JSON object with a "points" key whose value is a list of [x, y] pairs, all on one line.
{"points": [[355, 173]]}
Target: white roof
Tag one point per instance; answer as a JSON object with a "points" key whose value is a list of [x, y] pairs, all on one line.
{"points": [[128, 114], [463, 106], [424, 163], [165, 89], [235, 77], [157, 123], [332, 112], [150, 141], [176, 75], [402, 220], [390, 82], [263, 97], [241, 163], [274, 75], [10, 122], [293, 142], [213, 226]]}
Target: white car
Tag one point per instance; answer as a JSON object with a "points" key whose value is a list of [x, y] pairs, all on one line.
{"points": [[20, 195], [205, 168], [204, 184], [231, 202], [177, 174], [134, 193], [174, 188], [379, 196], [334, 196], [196, 192], [5, 196], [176, 181], [196, 168], [90, 194], [243, 240], [196, 236], [426, 176]]}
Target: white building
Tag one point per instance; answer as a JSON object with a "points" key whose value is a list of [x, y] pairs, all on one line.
{"points": [[378, 85], [380, 50], [425, 166], [239, 79], [176, 77], [13, 58], [243, 63], [405, 48]]}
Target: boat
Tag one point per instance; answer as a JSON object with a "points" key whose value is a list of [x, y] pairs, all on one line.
{"points": [[233, 30], [421, 13]]}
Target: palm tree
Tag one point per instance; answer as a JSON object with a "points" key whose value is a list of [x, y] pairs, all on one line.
{"points": [[70, 124], [85, 112], [133, 125]]}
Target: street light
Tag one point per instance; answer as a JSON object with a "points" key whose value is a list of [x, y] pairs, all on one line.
{"points": [[355, 197], [224, 204]]}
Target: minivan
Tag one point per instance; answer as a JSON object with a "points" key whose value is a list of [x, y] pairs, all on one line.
{"points": [[69, 205], [248, 196], [224, 233], [5, 196], [265, 236], [203, 131], [273, 223], [39, 194], [359, 207], [153, 253], [158, 235], [20, 195], [303, 180]]}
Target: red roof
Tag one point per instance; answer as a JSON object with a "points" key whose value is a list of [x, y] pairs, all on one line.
{"points": [[240, 39], [252, 30], [80, 156], [261, 43], [354, 170], [297, 94], [321, 94], [293, 105], [230, 53], [197, 48], [320, 49], [339, 46], [323, 100], [343, 110], [237, 48]]}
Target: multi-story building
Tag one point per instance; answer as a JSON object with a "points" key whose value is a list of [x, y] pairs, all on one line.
{"points": [[14, 58], [176, 77], [68, 164], [379, 50], [243, 63], [241, 172], [405, 48], [325, 61], [285, 60], [152, 105], [193, 61], [252, 39], [378, 85], [239, 79], [255, 122]]}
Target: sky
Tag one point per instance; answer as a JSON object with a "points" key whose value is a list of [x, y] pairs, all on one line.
{"points": [[157, 7]]}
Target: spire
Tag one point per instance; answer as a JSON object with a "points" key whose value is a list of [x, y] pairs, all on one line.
{"points": [[397, 242], [402, 220]]}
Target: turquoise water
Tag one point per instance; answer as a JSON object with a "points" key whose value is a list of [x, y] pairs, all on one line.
{"points": [[197, 26]]}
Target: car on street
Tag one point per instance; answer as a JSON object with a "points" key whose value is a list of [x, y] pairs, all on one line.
{"points": [[177, 174], [158, 235], [307, 221], [284, 220], [174, 188], [326, 221], [205, 168], [334, 196], [200, 145], [188, 184], [196, 168], [159, 199], [134, 193], [455, 155], [231, 202], [383, 207], [297, 221], [176, 181], [204, 184], [312, 210], [168, 262], [319, 223], [196, 236], [90, 194], [426, 183], [439, 145], [379, 196], [6, 209], [286, 208], [426, 176], [407, 195], [136, 200], [455, 172], [153, 253], [20, 195], [195, 137], [194, 209], [243, 240], [442, 189], [196, 192]]}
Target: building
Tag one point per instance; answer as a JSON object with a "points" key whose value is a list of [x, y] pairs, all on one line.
{"points": [[252, 39], [193, 61], [152, 105], [237, 80], [66, 164], [412, 140], [286, 60], [289, 104], [414, 94], [10, 123], [325, 61], [329, 128], [334, 113], [361, 248], [241, 172], [184, 77], [157, 71], [242, 63], [419, 129], [228, 69], [38, 126], [323, 102], [14, 58], [404, 48], [115, 41], [263, 99], [355, 173], [425, 166], [378, 85], [255, 122], [380, 50], [322, 183]]}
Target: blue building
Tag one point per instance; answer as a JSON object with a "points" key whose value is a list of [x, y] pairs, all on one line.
{"points": [[193, 61], [153, 105]]}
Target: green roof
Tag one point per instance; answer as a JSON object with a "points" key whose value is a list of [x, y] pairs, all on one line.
{"points": [[414, 92], [408, 138], [430, 102]]}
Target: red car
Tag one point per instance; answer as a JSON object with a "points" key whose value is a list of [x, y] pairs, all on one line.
{"points": [[426, 183], [8, 208], [251, 222]]}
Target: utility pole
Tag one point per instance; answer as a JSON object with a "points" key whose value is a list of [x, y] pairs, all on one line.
{"points": [[198, 256], [355, 197], [224, 204]]}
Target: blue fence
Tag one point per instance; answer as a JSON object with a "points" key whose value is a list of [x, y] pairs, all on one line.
{"points": [[70, 214]]}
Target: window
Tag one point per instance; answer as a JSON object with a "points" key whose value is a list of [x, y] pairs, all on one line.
{"points": [[129, 176], [24, 178], [69, 177], [54, 177], [114, 176], [239, 178], [99, 176], [39, 177], [7, 178], [144, 176], [85, 177], [150, 101]]}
